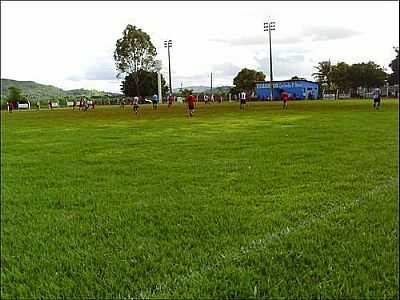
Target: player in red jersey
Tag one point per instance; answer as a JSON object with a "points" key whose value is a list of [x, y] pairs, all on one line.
{"points": [[285, 98], [170, 100], [191, 100]]}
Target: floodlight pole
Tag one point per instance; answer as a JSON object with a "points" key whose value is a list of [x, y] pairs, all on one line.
{"points": [[168, 44], [159, 87], [211, 84], [158, 67], [269, 26]]}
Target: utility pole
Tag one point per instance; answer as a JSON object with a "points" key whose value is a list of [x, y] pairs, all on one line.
{"points": [[270, 26], [168, 44], [211, 83], [158, 68]]}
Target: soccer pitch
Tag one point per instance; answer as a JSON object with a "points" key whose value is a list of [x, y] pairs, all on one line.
{"points": [[264, 203]]}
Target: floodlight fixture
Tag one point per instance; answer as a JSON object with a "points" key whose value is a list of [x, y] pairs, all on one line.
{"points": [[168, 44], [270, 26]]}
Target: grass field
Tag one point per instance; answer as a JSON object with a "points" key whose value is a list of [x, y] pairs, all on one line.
{"points": [[267, 203]]}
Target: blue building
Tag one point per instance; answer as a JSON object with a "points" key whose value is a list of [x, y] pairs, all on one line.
{"points": [[297, 89]]}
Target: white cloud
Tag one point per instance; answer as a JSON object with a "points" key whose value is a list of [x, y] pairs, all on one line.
{"points": [[285, 65], [327, 33]]}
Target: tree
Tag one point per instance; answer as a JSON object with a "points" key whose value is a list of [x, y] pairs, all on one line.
{"points": [[297, 78], [366, 75], [339, 76], [245, 80], [148, 84], [186, 92], [134, 53], [14, 94], [394, 65], [324, 69]]}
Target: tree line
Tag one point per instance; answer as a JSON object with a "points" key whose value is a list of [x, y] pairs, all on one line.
{"points": [[349, 78]]}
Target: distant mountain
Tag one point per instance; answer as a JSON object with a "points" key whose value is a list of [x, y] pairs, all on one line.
{"points": [[202, 89], [195, 89], [45, 92]]}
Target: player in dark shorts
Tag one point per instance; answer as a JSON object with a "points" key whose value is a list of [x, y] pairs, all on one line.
{"points": [[205, 99], [191, 100], [86, 104], [242, 97], [376, 95], [135, 104], [93, 104], [73, 104], [154, 101], [10, 106]]}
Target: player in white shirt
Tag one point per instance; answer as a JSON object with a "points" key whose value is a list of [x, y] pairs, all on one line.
{"points": [[242, 97], [205, 99], [135, 104], [376, 95]]}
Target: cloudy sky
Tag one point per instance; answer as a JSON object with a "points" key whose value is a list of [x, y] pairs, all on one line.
{"points": [[71, 44]]}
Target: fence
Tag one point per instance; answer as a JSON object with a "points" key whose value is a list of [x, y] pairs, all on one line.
{"points": [[24, 105], [329, 96], [336, 96]]}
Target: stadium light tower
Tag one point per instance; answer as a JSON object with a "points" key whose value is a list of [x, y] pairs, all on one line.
{"points": [[270, 26], [168, 44], [158, 68]]}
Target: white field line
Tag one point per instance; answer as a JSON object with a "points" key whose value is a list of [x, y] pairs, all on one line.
{"points": [[261, 243]]}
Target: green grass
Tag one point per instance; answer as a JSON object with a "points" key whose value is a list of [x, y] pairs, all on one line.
{"points": [[267, 203]]}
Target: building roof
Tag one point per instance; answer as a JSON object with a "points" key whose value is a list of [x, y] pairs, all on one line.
{"points": [[289, 80]]}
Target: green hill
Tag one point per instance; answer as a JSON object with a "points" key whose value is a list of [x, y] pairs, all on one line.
{"points": [[205, 89], [42, 92]]}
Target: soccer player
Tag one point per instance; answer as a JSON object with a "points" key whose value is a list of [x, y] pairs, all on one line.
{"points": [[50, 105], [170, 100], [376, 95], [10, 106], [242, 97], [205, 99], [284, 98], [122, 103], [136, 104], [191, 100], [73, 104], [154, 99], [93, 104], [85, 104]]}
